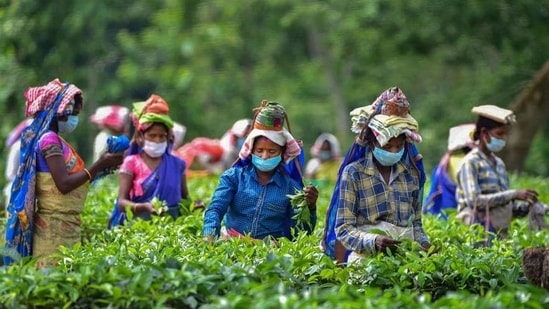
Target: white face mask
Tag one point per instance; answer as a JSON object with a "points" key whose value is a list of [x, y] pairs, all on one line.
{"points": [[153, 149]]}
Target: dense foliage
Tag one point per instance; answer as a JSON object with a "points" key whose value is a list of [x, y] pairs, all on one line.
{"points": [[165, 263]]}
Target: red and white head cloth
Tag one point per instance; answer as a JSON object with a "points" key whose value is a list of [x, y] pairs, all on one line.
{"points": [[114, 117], [42, 98]]}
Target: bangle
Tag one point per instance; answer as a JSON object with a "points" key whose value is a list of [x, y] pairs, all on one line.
{"points": [[88, 173]]}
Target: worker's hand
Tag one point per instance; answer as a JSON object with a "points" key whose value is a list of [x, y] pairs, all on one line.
{"points": [[384, 242], [528, 195], [311, 195], [209, 238], [199, 204], [426, 246]]}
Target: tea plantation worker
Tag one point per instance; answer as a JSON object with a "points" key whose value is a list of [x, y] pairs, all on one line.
{"points": [[51, 185], [382, 191], [326, 158], [442, 194], [150, 170], [251, 196], [112, 120], [483, 192]]}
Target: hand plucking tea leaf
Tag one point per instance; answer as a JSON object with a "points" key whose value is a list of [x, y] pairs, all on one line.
{"points": [[159, 206], [302, 213]]}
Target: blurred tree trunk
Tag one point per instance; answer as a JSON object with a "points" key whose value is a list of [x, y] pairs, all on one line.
{"points": [[531, 108], [338, 99]]}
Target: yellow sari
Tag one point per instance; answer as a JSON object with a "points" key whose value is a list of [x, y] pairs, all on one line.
{"points": [[57, 215]]}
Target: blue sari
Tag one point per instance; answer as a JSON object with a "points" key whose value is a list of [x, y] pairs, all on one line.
{"points": [[161, 184], [20, 210]]}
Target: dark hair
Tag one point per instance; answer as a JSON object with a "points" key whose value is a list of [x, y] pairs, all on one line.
{"points": [[486, 123]]}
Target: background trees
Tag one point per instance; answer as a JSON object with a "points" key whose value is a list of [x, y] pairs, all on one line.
{"points": [[213, 61]]}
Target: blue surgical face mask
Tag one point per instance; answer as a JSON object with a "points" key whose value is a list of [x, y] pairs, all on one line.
{"points": [[266, 165], [324, 155], [495, 144], [68, 126], [387, 158]]}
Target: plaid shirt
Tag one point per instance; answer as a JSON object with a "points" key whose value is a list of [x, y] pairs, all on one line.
{"points": [[365, 199], [479, 180]]}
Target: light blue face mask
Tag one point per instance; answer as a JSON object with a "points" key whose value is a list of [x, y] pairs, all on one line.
{"points": [[68, 126], [495, 144], [266, 165], [324, 155], [387, 158]]}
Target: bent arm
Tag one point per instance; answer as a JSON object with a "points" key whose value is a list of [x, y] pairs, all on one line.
{"points": [[468, 180], [221, 199]]}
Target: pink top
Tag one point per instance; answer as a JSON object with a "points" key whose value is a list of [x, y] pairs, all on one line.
{"points": [[135, 166], [51, 138]]}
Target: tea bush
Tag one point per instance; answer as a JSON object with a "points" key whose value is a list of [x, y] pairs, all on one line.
{"points": [[166, 264]]}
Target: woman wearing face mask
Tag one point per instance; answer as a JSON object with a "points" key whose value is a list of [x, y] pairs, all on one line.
{"points": [[52, 182], [251, 196], [382, 190], [483, 192], [150, 170], [325, 160]]}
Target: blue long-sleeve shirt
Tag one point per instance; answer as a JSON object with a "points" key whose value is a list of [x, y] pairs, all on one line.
{"points": [[252, 208]]}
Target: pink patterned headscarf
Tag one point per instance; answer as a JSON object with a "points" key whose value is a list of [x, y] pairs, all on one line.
{"points": [[392, 102], [42, 97], [114, 117], [269, 122], [281, 138]]}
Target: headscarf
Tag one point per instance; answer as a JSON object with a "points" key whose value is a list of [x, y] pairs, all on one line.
{"points": [[269, 122], [154, 110], [388, 117], [44, 103], [145, 114], [113, 117], [326, 137]]}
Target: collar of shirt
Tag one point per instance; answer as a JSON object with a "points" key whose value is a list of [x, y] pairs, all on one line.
{"points": [[277, 177]]}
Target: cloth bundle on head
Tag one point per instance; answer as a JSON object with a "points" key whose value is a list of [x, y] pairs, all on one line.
{"points": [[459, 136], [113, 117], [269, 122], [496, 113], [155, 109], [388, 117]]}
